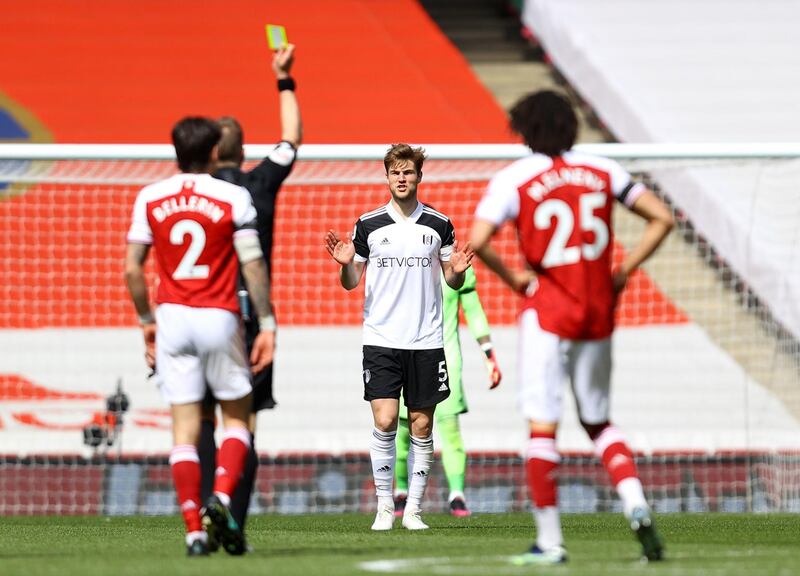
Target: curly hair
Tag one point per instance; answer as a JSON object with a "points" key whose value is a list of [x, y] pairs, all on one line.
{"points": [[546, 121]]}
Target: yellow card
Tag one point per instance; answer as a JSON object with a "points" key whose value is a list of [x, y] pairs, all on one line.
{"points": [[276, 36]]}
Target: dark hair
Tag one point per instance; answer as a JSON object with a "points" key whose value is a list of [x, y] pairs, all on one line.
{"points": [[231, 143], [194, 138], [546, 121], [401, 152]]}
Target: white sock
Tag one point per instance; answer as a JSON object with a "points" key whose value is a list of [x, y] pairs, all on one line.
{"points": [[420, 458], [632, 495], [455, 494], [382, 453], [198, 535], [224, 498], [548, 527]]}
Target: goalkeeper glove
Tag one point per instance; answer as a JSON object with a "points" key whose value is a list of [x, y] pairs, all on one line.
{"points": [[495, 376]]}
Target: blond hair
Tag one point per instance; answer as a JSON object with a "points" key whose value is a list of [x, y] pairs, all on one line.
{"points": [[231, 143]]}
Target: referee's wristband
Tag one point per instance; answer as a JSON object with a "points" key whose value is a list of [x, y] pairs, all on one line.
{"points": [[267, 324], [286, 84], [147, 319]]}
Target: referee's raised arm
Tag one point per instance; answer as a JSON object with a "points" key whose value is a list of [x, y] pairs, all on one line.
{"points": [[291, 122]]}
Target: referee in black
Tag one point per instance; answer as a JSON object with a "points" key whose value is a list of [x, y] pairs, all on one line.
{"points": [[263, 182]]}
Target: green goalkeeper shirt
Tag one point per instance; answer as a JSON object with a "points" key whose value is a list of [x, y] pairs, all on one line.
{"points": [[467, 298]]}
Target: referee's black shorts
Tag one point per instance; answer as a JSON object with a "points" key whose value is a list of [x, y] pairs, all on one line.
{"points": [[421, 375], [262, 382]]}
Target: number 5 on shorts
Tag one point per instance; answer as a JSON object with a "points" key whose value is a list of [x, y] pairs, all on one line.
{"points": [[442, 371]]}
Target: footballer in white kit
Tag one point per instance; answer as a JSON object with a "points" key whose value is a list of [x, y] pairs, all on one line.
{"points": [[405, 248]]}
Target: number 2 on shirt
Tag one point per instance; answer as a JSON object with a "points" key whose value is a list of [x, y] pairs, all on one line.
{"points": [[187, 268]]}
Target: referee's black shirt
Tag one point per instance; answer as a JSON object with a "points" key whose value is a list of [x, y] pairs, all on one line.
{"points": [[263, 182]]}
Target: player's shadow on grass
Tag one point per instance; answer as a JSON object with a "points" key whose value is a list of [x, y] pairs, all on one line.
{"points": [[318, 551], [454, 527]]}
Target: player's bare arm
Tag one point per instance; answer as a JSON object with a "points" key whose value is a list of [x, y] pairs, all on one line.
{"points": [[659, 223], [343, 251], [257, 280], [454, 269], [291, 123], [135, 257], [480, 238]]}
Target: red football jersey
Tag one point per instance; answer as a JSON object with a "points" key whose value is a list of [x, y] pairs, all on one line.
{"points": [[562, 210], [191, 221]]}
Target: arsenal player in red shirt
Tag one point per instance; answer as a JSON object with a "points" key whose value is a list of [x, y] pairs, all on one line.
{"points": [[560, 202], [202, 230]]}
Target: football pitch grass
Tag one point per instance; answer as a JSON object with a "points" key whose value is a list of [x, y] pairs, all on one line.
{"points": [[601, 544]]}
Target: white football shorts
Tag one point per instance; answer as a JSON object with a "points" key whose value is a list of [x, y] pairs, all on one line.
{"points": [[546, 360], [195, 346]]}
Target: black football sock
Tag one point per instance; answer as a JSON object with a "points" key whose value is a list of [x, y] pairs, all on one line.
{"points": [[240, 501], [207, 451]]}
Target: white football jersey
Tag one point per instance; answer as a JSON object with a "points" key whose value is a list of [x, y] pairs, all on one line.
{"points": [[403, 296]]}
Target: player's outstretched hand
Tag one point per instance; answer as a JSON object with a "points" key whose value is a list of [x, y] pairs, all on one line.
{"points": [[149, 332], [342, 251], [461, 258], [282, 61], [495, 376], [263, 351]]}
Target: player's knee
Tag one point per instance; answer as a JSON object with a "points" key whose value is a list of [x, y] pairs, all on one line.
{"points": [[385, 422], [594, 430], [421, 429], [448, 428], [449, 420]]}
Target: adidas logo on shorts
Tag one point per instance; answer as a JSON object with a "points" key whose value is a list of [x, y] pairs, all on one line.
{"points": [[443, 387]]}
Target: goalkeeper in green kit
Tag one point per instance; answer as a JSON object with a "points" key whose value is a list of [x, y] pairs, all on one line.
{"points": [[454, 457]]}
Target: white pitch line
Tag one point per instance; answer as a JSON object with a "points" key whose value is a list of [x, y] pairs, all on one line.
{"points": [[443, 565]]}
